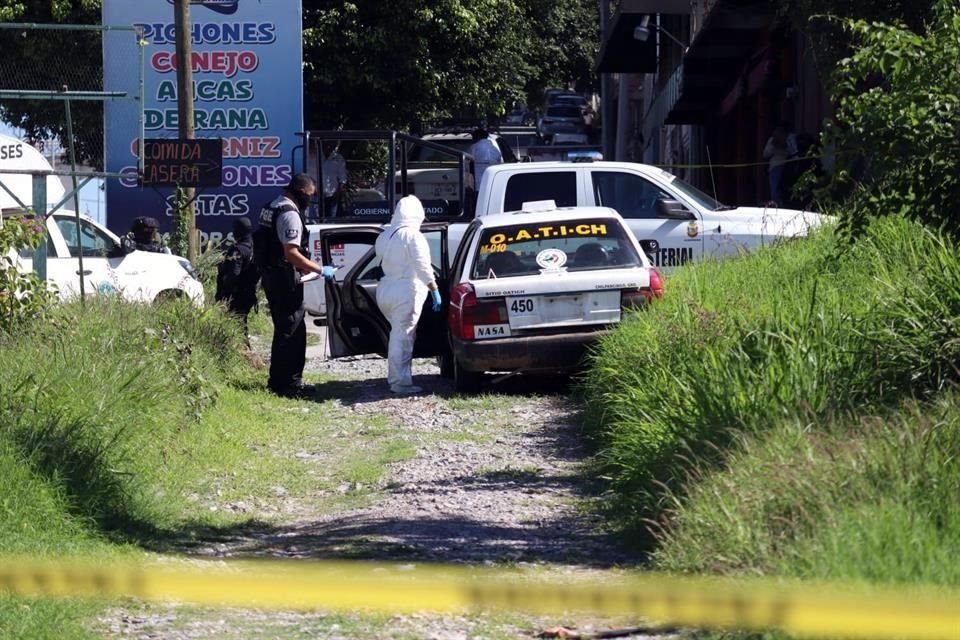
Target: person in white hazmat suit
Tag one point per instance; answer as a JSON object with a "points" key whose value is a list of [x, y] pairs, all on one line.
{"points": [[407, 280]]}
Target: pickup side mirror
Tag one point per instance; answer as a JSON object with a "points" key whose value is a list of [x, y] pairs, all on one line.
{"points": [[672, 210], [650, 246]]}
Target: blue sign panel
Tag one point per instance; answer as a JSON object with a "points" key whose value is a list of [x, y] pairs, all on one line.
{"points": [[248, 91]]}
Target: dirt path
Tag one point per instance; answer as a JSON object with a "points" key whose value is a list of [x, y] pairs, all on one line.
{"points": [[494, 479]]}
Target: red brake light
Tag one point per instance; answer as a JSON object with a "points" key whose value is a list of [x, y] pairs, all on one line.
{"points": [[635, 298], [656, 283], [466, 311]]}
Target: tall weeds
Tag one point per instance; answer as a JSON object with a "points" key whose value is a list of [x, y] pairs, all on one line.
{"points": [[803, 331], [93, 397]]}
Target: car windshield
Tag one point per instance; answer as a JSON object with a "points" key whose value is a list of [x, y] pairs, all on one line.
{"points": [[575, 101], [563, 112], [583, 244], [519, 140], [693, 193]]}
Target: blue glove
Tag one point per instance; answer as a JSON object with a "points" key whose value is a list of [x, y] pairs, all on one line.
{"points": [[435, 296], [328, 271]]}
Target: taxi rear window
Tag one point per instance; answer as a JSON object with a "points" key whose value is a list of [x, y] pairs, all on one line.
{"points": [[574, 245]]}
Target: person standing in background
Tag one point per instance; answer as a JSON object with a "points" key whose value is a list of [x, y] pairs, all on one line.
{"points": [[237, 275], [485, 153], [780, 147], [334, 178], [146, 235]]}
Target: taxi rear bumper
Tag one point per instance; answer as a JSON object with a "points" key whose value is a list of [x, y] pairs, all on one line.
{"points": [[553, 353]]}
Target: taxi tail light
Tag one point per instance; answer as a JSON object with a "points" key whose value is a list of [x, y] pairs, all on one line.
{"points": [[466, 311], [641, 296], [656, 283]]}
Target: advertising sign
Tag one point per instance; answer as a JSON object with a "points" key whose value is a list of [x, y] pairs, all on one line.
{"points": [[248, 92], [171, 162]]}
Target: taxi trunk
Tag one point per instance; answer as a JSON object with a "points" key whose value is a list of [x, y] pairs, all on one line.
{"points": [[540, 323]]}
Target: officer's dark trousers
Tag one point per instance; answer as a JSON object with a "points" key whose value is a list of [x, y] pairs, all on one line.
{"points": [[288, 351]]}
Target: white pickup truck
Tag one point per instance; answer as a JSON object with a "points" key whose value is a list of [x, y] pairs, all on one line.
{"points": [[687, 223]]}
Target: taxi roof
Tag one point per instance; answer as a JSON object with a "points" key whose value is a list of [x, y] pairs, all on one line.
{"points": [[553, 215]]}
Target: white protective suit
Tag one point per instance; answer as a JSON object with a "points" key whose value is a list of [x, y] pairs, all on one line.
{"points": [[485, 154], [407, 275]]}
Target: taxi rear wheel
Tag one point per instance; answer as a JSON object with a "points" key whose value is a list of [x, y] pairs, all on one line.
{"points": [[465, 381], [445, 362]]}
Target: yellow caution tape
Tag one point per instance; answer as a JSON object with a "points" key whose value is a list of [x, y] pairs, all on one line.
{"points": [[802, 609]]}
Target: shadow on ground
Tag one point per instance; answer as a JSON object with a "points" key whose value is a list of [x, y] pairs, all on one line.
{"points": [[351, 392], [442, 539]]}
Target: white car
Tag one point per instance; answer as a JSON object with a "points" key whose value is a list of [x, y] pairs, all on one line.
{"points": [[527, 292], [109, 268]]}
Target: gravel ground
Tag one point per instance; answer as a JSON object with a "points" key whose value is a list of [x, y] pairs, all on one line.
{"points": [[511, 493]]}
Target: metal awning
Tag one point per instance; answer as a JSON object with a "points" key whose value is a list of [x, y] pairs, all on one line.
{"points": [[730, 36]]}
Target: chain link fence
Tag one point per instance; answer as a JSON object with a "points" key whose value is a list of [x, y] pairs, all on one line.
{"points": [[50, 71]]}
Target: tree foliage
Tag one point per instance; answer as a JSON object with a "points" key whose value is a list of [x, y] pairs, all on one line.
{"points": [[24, 298], [898, 108], [822, 22], [367, 63], [407, 62]]}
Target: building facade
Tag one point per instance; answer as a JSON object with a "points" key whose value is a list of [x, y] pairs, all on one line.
{"points": [[717, 76]]}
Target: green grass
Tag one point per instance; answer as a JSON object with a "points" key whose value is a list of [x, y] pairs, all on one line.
{"points": [[128, 426], [865, 498], [793, 412], [367, 467]]}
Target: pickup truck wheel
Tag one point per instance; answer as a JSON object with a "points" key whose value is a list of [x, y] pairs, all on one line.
{"points": [[465, 381]]}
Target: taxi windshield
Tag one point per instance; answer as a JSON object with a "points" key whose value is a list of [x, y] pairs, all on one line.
{"points": [[570, 245]]}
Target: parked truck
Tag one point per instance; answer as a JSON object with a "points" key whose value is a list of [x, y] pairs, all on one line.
{"points": [[685, 222]]}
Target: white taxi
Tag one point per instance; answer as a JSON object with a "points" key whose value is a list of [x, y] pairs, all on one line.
{"points": [[109, 268], [527, 292]]}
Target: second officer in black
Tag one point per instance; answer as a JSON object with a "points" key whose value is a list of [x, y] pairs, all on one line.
{"points": [[282, 250]]}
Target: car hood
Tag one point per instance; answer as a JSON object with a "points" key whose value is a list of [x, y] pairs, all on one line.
{"points": [[137, 261], [771, 220]]}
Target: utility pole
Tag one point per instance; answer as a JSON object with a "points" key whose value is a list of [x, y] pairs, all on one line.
{"points": [[607, 106], [623, 118], [181, 21]]}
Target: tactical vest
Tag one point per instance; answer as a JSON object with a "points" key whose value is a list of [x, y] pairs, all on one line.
{"points": [[267, 248]]}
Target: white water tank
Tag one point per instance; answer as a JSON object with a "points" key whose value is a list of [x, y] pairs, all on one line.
{"points": [[17, 155]]}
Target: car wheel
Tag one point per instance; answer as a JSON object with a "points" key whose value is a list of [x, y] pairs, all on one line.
{"points": [[465, 381], [169, 295], [445, 362]]}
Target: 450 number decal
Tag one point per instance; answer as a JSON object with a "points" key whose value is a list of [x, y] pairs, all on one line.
{"points": [[522, 305]]}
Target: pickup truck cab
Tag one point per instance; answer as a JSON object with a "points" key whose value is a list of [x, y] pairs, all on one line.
{"points": [[687, 223]]}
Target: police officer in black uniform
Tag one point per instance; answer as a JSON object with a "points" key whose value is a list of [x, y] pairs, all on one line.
{"points": [[281, 247], [237, 275], [144, 233]]}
